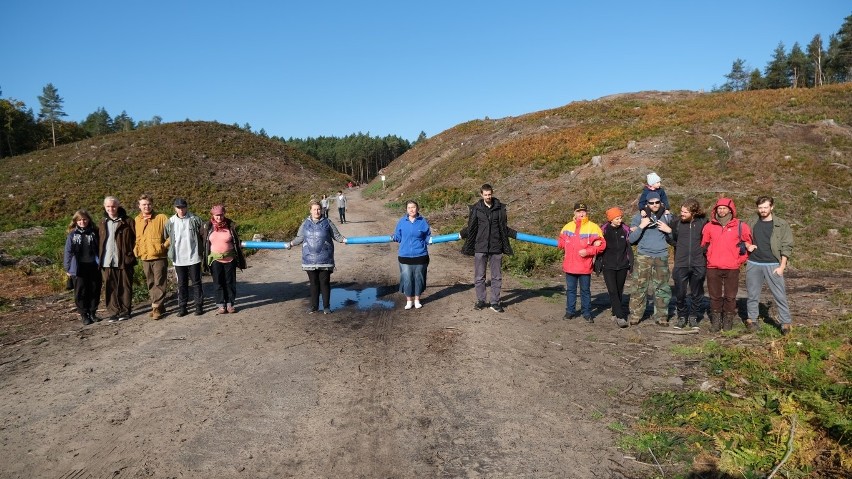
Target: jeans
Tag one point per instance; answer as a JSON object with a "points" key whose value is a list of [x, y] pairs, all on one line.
{"points": [[189, 276], [495, 263], [756, 275], [342, 213], [225, 279], [585, 281], [412, 279]]}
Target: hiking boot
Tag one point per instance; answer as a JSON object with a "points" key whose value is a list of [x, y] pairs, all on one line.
{"points": [[87, 320], [693, 323], [94, 317], [570, 315], [680, 323], [751, 325], [634, 320], [661, 321], [786, 328], [480, 305], [199, 309], [715, 322], [620, 322], [182, 312], [155, 314], [727, 321], [497, 308], [588, 319]]}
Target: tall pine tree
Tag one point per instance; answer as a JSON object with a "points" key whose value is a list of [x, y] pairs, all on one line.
{"points": [[51, 107]]}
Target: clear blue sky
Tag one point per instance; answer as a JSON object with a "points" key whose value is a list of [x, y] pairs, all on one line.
{"points": [[324, 68]]}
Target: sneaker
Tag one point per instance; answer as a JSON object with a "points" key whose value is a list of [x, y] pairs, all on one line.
{"points": [[418, 305], [496, 307], [231, 309], [156, 315], [199, 310], [786, 328], [751, 325], [124, 317], [693, 323], [569, 315], [326, 311], [480, 305], [408, 305], [221, 310], [113, 318], [620, 322], [182, 312], [588, 319], [312, 310], [86, 319], [634, 320], [680, 323]]}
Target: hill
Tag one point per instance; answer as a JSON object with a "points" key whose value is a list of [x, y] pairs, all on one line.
{"points": [[793, 144], [205, 162]]}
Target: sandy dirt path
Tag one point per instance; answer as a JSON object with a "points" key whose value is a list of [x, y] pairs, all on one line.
{"points": [[364, 392]]}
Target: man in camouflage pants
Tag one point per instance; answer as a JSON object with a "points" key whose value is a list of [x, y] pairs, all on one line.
{"points": [[649, 232]]}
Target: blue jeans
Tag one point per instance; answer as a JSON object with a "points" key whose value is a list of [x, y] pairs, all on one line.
{"points": [[412, 279], [585, 281]]}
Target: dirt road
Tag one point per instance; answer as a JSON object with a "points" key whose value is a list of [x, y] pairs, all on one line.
{"points": [[364, 392]]}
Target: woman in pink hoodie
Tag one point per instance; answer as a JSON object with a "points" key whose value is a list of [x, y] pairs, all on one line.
{"points": [[726, 239]]}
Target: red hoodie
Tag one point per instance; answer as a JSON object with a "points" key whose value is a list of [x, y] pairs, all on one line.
{"points": [[722, 242]]}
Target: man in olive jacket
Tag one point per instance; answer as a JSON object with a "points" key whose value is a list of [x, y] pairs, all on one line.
{"points": [[117, 239], [151, 248], [487, 240], [767, 261]]}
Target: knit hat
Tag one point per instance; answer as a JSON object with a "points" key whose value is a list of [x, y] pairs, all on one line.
{"points": [[217, 210], [652, 195], [654, 178], [613, 213]]}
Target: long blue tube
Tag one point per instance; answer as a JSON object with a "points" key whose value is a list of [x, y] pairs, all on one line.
{"points": [[368, 239], [265, 244], [444, 238], [536, 239]]}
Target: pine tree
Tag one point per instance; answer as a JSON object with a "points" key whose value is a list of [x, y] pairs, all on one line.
{"points": [[777, 70], [799, 66], [737, 78], [51, 107], [843, 55]]}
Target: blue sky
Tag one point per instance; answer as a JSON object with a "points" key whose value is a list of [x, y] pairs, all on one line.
{"points": [[323, 68]]}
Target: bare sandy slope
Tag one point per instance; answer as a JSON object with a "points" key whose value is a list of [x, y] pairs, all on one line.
{"points": [[273, 392]]}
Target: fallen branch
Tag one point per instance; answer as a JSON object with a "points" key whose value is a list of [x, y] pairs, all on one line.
{"points": [[677, 332], [657, 462], [789, 447]]}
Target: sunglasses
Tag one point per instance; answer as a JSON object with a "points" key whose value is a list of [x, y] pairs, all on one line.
{"points": [[653, 202]]}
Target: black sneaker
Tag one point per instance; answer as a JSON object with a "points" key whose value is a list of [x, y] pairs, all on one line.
{"points": [[496, 307], [182, 312], [326, 311], [94, 317], [693, 323], [570, 315], [199, 310], [680, 323], [480, 305], [124, 317], [588, 319], [312, 311], [87, 320], [113, 318]]}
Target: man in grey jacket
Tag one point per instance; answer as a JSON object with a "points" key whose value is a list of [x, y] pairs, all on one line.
{"points": [[651, 265], [767, 261]]}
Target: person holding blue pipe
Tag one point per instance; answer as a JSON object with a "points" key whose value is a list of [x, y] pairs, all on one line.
{"points": [[317, 233], [412, 232]]}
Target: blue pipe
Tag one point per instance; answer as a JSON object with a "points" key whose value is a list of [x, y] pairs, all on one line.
{"points": [[368, 239], [265, 244], [536, 239], [444, 238]]}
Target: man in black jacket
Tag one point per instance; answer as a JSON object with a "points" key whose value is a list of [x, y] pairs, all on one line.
{"points": [[486, 238], [690, 263]]}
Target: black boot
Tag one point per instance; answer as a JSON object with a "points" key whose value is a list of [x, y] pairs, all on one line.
{"points": [[715, 322], [86, 319], [199, 309], [181, 311]]}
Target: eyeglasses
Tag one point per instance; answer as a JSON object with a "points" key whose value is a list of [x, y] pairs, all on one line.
{"points": [[653, 202]]}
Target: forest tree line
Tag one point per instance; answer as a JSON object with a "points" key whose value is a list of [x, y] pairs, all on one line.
{"points": [[808, 67]]}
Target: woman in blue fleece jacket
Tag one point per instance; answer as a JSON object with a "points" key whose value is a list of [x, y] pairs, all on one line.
{"points": [[412, 233]]}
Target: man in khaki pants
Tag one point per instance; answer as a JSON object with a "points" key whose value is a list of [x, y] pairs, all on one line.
{"points": [[151, 249]]}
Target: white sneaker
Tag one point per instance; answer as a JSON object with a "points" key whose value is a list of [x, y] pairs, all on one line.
{"points": [[417, 305], [408, 305]]}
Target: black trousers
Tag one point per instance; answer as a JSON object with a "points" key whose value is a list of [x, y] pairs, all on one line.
{"points": [[87, 288], [189, 276], [225, 279], [614, 280], [320, 280], [689, 290]]}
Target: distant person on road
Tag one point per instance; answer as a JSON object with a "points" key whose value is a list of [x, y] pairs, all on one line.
{"points": [[616, 262], [317, 234], [81, 265], [651, 263], [324, 204], [582, 240], [152, 250], [654, 184], [412, 233], [486, 238], [767, 261], [117, 240], [341, 206], [186, 248], [727, 240], [690, 263], [223, 254]]}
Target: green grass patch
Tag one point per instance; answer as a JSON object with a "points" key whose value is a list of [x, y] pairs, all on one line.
{"points": [[744, 421]]}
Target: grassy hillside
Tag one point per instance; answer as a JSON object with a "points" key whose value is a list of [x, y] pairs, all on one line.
{"points": [[795, 145], [262, 181]]}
